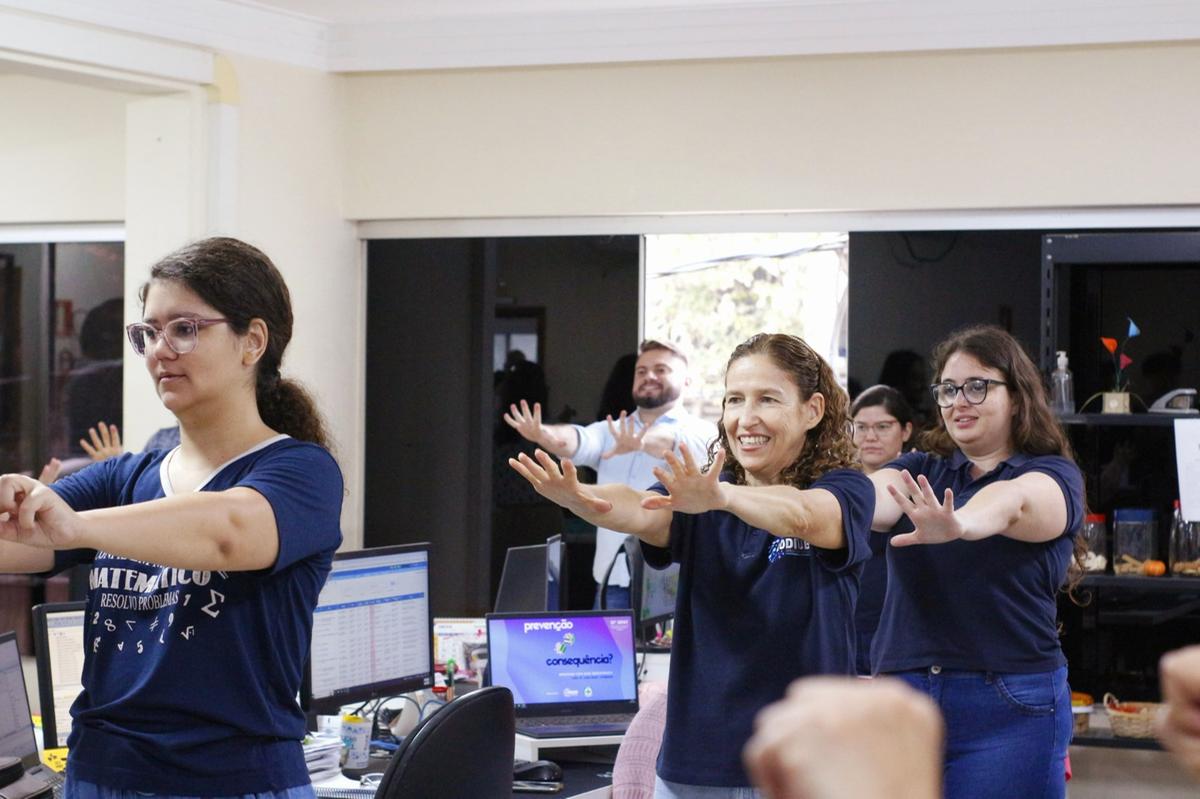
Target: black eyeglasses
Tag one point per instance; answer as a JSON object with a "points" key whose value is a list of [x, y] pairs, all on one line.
{"points": [[974, 391], [181, 335]]}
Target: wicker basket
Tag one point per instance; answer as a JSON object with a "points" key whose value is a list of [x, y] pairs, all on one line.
{"points": [[1131, 719]]}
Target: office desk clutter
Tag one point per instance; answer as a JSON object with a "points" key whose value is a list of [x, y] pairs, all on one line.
{"points": [[537, 770], [322, 755]]}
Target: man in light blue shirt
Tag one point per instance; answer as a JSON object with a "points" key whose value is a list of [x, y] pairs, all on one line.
{"points": [[626, 449]]}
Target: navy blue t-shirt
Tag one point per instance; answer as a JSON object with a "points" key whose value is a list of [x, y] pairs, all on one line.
{"points": [[190, 677], [754, 612], [987, 605]]}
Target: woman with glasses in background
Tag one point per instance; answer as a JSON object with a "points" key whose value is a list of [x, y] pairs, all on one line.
{"points": [[985, 528], [207, 558], [883, 424]]}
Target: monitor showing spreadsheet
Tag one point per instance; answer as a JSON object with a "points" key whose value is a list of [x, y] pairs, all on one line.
{"points": [[58, 637], [372, 629]]}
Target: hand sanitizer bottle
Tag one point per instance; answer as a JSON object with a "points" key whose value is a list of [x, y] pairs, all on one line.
{"points": [[1062, 389]]}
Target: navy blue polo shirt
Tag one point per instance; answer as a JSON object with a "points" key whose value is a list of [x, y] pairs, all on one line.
{"points": [[987, 605], [754, 612], [872, 587]]}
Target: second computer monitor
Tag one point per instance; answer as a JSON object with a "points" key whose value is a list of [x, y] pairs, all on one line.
{"points": [[556, 573], [523, 581], [58, 636], [372, 629], [657, 596]]}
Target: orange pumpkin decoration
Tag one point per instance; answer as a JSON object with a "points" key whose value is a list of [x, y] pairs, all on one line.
{"points": [[1154, 568]]}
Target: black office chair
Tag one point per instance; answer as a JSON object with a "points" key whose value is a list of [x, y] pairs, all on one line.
{"points": [[463, 749]]}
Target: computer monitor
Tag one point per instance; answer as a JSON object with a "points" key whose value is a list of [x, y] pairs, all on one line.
{"points": [[657, 598], [372, 629], [58, 639], [556, 573], [523, 581], [652, 591]]}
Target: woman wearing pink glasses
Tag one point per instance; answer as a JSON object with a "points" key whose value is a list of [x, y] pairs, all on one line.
{"points": [[206, 559]]}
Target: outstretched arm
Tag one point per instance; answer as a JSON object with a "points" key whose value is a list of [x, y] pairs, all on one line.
{"points": [[1027, 508], [232, 530], [814, 515], [612, 505], [887, 512], [21, 559], [560, 439]]}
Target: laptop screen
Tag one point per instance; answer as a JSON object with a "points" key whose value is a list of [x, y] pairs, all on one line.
{"points": [[16, 726], [577, 662]]}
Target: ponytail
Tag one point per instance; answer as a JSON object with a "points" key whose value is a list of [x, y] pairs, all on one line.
{"points": [[286, 406], [239, 281]]}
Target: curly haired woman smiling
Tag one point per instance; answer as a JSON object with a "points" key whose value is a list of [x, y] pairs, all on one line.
{"points": [[770, 537]]}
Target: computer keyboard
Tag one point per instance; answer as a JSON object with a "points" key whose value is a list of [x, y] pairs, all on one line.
{"points": [[566, 721], [345, 793]]}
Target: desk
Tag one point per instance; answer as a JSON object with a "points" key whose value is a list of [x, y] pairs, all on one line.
{"points": [[587, 774], [581, 780]]}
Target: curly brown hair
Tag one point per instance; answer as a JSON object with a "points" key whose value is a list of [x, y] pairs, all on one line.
{"points": [[828, 445], [1035, 430]]}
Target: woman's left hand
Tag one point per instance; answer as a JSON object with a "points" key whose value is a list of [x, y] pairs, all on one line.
{"points": [[688, 489], [934, 522], [33, 515]]}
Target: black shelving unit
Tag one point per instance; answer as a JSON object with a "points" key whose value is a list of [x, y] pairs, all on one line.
{"points": [[1106, 739], [1124, 419], [1150, 585]]}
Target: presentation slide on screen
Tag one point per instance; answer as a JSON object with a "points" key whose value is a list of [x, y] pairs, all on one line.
{"points": [[584, 658]]}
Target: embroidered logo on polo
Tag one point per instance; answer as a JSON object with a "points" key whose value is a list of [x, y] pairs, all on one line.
{"points": [[789, 547]]}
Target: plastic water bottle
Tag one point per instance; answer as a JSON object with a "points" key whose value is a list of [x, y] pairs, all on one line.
{"points": [[1062, 387]]}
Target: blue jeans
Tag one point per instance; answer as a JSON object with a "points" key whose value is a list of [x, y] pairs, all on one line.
{"points": [[616, 597], [677, 790], [79, 789], [1006, 734]]}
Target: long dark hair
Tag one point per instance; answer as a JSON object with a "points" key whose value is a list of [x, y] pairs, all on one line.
{"points": [[242, 284], [827, 446], [1035, 431]]}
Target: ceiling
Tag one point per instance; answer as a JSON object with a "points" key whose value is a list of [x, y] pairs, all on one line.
{"points": [[377, 35]]}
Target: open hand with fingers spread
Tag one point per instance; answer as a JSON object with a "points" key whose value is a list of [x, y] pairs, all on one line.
{"points": [[559, 485], [689, 490], [626, 437], [105, 442], [526, 421], [934, 521], [33, 514]]}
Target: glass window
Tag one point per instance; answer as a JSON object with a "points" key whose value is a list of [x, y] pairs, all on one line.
{"points": [[61, 347], [710, 293]]}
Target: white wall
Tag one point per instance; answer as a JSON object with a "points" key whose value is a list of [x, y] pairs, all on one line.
{"points": [[62, 151], [84, 153], [1028, 128], [289, 167]]}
